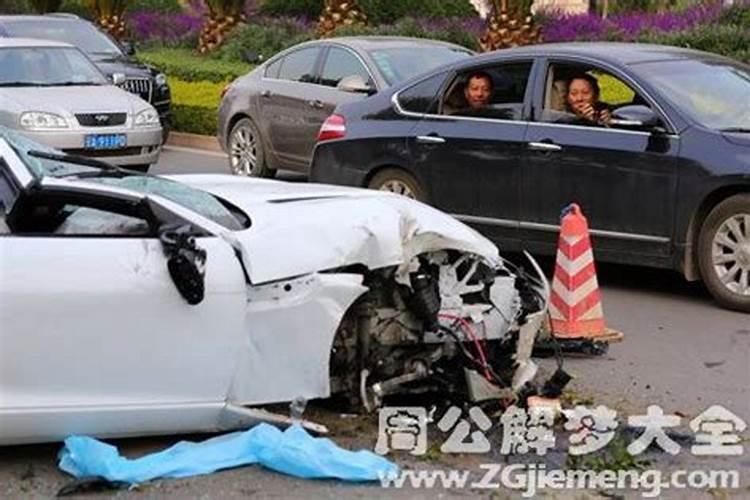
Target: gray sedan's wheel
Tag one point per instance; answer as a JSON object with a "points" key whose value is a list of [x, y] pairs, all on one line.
{"points": [[398, 181], [245, 149], [724, 252]]}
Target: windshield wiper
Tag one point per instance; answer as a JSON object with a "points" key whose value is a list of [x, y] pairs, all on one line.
{"points": [[75, 84], [74, 159], [19, 84], [737, 130]]}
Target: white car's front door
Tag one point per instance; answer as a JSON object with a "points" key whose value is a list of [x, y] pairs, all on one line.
{"points": [[95, 336]]}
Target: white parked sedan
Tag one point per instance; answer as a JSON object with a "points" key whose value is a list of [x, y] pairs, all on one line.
{"points": [[133, 304], [52, 93]]}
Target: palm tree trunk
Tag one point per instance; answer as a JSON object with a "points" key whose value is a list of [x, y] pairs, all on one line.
{"points": [[339, 13]]}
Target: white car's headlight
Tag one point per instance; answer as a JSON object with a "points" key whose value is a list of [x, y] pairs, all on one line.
{"points": [[160, 79], [37, 120], [147, 118]]}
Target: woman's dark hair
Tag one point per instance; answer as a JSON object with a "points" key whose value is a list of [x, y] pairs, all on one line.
{"points": [[590, 79]]}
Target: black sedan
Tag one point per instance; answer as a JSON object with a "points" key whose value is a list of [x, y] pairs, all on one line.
{"points": [[659, 159]]}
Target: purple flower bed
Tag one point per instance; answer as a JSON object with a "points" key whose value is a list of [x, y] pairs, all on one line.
{"points": [[626, 27], [172, 29]]}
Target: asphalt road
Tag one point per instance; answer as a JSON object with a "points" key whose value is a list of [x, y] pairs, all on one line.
{"points": [[680, 352]]}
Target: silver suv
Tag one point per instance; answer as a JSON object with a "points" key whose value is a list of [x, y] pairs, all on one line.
{"points": [[52, 93]]}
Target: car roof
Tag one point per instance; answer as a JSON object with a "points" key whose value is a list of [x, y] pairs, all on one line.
{"points": [[30, 42], [617, 53], [55, 16], [384, 42]]}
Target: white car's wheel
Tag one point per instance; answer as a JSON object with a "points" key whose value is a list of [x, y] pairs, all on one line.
{"points": [[246, 155]]}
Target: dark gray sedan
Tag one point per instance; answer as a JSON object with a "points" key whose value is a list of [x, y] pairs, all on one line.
{"points": [[269, 119]]}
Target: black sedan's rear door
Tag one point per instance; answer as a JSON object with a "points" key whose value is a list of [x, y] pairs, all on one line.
{"points": [[473, 158]]}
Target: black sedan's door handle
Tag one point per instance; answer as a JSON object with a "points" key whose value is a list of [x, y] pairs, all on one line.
{"points": [[544, 146], [265, 93], [315, 104]]}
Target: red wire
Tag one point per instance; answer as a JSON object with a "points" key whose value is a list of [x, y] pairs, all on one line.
{"points": [[466, 327]]}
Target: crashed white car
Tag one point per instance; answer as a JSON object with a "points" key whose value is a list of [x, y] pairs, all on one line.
{"points": [[134, 304]]}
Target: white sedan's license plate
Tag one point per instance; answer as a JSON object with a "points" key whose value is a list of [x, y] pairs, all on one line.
{"points": [[105, 141]]}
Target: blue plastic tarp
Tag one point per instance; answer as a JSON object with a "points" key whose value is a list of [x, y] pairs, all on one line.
{"points": [[293, 452]]}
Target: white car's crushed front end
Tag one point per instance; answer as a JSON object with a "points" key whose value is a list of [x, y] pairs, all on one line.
{"points": [[369, 294]]}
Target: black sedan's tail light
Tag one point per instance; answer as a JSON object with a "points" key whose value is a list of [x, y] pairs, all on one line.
{"points": [[333, 128]]}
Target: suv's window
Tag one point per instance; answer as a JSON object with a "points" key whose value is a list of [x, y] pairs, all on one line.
{"points": [[422, 96], [76, 32], [489, 92], [341, 63], [299, 66], [584, 95]]}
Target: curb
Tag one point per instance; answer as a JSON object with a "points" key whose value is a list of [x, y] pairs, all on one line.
{"points": [[194, 141]]}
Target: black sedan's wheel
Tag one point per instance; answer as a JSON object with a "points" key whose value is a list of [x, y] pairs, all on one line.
{"points": [[724, 252], [398, 181], [246, 151]]}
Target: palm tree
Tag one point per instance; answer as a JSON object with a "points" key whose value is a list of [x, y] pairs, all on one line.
{"points": [[223, 15], [44, 6], [339, 13], [109, 15], [509, 26]]}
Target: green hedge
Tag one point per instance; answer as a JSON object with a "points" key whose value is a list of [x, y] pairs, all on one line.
{"points": [[378, 11], [195, 105], [728, 40], [185, 64]]}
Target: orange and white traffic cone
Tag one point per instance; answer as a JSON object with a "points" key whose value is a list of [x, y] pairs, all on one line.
{"points": [[575, 302]]}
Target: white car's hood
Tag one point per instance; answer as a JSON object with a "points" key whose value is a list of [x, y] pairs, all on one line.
{"points": [[76, 99], [303, 228]]}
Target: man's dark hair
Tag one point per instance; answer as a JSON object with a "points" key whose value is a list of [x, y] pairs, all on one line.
{"points": [[479, 74], [585, 76]]}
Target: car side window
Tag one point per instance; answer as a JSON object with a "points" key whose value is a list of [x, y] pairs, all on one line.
{"points": [[299, 66], [51, 215], [272, 70], [489, 92], [341, 63], [422, 96], [585, 95]]}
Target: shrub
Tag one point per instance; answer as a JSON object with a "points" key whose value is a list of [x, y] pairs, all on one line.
{"points": [[195, 105], [265, 36], [731, 41], [186, 65], [14, 7], [171, 30], [161, 6], [77, 7], [378, 11]]}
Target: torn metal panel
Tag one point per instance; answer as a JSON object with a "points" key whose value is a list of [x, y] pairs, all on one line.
{"points": [[290, 325]]}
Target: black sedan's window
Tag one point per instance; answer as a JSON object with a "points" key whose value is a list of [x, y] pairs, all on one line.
{"points": [[299, 66], [340, 63], [422, 97], [505, 90]]}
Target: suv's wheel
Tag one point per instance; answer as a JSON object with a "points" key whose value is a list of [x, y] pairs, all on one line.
{"points": [[724, 252], [398, 181], [246, 155]]}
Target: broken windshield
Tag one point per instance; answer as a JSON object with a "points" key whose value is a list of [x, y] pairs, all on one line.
{"points": [[193, 199]]}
